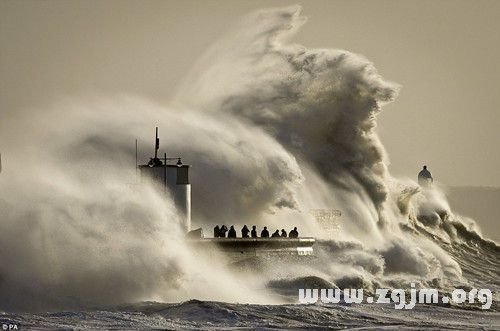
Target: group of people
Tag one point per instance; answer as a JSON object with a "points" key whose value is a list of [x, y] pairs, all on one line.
{"points": [[220, 232]]}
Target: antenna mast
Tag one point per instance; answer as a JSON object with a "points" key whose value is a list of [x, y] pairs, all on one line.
{"points": [[136, 163], [157, 144]]}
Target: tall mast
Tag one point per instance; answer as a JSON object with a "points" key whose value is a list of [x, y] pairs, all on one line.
{"points": [[157, 144], [136, 163]]}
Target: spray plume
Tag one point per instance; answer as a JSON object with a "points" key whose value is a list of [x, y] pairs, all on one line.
{"points": [[272, 129]]}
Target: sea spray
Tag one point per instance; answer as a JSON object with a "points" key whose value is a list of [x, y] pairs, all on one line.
{"points": [[272, 130]]}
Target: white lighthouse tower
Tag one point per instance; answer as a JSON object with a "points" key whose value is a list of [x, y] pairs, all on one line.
{"points": [[172, 176]]}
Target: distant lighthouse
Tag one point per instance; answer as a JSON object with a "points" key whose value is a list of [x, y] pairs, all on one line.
{"points": [[172, 176]]}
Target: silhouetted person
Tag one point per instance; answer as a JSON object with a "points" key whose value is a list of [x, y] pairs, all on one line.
{"points": [[264, 233], [232, 232], [425, 177], [283, 233], [244, 232], [276, 234], [254, 232], [216, 232], [294, 233], [222, 232]]}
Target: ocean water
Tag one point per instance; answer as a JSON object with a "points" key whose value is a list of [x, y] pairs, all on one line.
{"points": [[273, 130], [205, 315], [476, 256]]}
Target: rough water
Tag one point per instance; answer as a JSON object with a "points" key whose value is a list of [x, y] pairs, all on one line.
{"points": [[272, 130], [205, 315]]}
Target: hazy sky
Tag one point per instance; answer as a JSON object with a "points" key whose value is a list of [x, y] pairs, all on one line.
{"points": [[444, 53]]}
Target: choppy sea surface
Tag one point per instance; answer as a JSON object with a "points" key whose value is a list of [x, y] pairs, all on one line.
{"points": [[195, 315], [477, 257]]}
